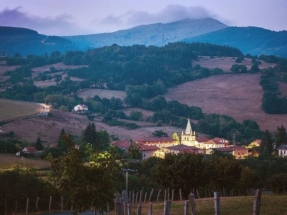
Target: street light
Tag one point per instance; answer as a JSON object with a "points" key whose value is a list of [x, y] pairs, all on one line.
{"points": [[127, 181]]}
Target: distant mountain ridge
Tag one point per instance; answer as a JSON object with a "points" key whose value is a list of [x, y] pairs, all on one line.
{"points": [[253, 40], [154, 34], [28, 42]]}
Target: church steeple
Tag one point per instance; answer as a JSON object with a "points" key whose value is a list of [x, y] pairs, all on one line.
{"points": [[188, 136], [188, 129]]}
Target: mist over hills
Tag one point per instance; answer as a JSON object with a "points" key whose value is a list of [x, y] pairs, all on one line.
{"points": [[253, 40]]}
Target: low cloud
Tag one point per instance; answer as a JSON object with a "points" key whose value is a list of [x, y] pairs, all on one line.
{"points": [[59, 25], [170, 13]]}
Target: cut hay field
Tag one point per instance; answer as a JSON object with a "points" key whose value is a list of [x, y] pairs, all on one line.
{"points": [[102, 93], [225, 63], [10, 161], [14, 109], [238, 96]]}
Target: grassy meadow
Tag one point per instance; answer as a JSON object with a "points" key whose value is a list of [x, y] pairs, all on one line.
{"points": [[12, 109], [270, 204], [9, 161]]}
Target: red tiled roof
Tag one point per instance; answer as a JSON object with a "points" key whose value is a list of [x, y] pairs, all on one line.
{"points": [[154, 140], [30, 149], [201, 139], [183, 148], [148, 148], [231, 148], [218, 141], [124, 144]]}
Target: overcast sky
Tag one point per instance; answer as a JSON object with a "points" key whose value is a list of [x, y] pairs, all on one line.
{"points": [[77, 17]]}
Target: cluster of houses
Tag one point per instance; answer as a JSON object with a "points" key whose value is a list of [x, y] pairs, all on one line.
{"points": [[189, 143]]}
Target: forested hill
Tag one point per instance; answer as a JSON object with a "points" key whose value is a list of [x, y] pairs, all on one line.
{"points": [[153, 34], [252, 40], [28, 42], [137, 65]]}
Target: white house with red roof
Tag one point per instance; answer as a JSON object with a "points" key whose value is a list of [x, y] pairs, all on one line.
{"points": [[181, 148], [282, 150], [30, 150], [81, 108], [239, 152], [149, 151], [215, 143]]}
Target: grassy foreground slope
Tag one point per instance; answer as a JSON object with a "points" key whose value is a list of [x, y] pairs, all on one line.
{"points": [[13, 109]]}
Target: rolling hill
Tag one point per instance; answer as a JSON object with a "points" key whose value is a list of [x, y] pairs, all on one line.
{"points": [[252, 40], [28, 42], [153, 34]]}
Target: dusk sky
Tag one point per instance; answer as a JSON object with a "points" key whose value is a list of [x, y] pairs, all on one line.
{"points": [[75, 17]]}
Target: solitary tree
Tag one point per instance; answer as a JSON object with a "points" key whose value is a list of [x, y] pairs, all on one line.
{"points": [[90, 135], [280, 136], [38, 144], [266, 144]]}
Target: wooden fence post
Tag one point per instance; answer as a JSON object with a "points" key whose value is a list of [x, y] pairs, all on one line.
{"points": [[133, 198], [139, 211], [192, 204], [150, 209], [125, 207], [256, 203], [27, 206], [50, 203], [141, 196], [197, 193], [145, 197], [186, 207], [37, 203], [130, 196], [129, 209], [150, 196], [180, 195], [158, 195], [62, 203], [168, 194], [164, 199], [217, 203], [5, 206], [166, 210], [172, 195], [16, 207], [136, 198]]}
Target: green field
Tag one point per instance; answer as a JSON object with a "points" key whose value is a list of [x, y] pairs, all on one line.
{"points": [[12, 109], [243, 205], [10, 161]]}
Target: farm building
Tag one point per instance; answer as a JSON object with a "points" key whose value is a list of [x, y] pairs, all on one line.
{"points": [[81, 108], [239, 152], [282, 150], [30, 150]]}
